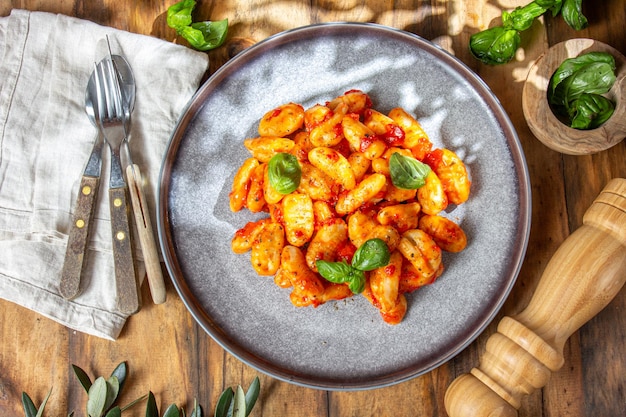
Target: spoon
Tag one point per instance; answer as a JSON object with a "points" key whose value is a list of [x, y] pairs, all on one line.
{"points": [[135, 185], [74, 262]]}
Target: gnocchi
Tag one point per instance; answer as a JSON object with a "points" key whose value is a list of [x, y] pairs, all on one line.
{"points": [[346, 196]]}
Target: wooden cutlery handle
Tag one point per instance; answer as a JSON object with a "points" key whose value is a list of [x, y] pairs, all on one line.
{"points": [[146, 234], [583, 276], [128, 295], [75, 254]]}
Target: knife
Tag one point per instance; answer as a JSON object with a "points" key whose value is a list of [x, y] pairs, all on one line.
{"points": [[75, 255]]}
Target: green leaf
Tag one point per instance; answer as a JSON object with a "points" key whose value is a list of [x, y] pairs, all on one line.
{"points": [[252, 394], [114, 412], [29, 407], [553, 5], [522, 18], [83, 378], [572, 12], [113, 389], [596, 78], [126, 407], [213, 34], [43, 404], [172, 411], [284, 173], [406, 172], [121, 372], [239, 403], [197, 410], [372, 254], [223, 403], [337, 272], [179, 14], [151, 406], [356, 281], [97, 398], [590, 111], [496, 45], [572, 65]]}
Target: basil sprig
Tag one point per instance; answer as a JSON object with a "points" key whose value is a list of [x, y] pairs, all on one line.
{"points": [[372, 254], [576, 89], [284, 173], [406, 172], [203, 36], [498, 44]]}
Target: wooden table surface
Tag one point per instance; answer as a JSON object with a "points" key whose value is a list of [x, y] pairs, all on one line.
{"points": [[169, 354]]}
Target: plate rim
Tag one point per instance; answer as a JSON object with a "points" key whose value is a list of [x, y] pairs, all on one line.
{"points": [[175, 272]]}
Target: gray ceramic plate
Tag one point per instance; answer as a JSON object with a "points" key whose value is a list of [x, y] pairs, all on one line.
{"points": [[341, 345]]}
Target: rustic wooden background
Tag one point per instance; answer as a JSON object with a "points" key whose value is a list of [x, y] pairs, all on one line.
{"points": [[170, 355]]}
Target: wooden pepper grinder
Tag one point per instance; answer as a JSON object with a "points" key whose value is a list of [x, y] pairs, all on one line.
{"points": [[584, 275]]}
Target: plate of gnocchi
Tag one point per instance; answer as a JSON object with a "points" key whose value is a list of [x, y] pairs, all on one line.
{"points": [[344, 206]]}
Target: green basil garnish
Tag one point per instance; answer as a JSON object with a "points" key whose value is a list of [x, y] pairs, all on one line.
{"points": [[406, 172], [372, 254], [576, 88], [203, 36], [284, 173]]}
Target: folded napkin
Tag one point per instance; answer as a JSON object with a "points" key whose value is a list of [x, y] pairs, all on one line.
{"points": [[45, 141]]}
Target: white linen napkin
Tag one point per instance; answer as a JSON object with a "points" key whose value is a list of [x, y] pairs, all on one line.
{"points": [[45, 141]]}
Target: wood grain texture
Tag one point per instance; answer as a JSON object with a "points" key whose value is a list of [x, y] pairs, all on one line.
{"points": [[78, 239], [173, 357]]}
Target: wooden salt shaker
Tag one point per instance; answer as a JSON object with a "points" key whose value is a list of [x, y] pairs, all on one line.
{"points": [[584, 275]]}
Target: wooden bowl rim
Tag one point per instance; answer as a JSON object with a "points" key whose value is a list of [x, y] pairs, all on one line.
{"points": [[547, 127]]}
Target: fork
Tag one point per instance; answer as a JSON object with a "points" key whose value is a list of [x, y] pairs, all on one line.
{"points": [[111, 119]]}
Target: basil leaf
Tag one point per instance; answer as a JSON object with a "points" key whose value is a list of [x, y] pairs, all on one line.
{"points": [[522, 18], [572, 65], [573, 14], [213, 34], [284, 173], [589, 111], [496, 45], [341, 273], [552, 5], [337, 272], [356, 281], [179, 14], [372, 254], [203, 36], [596, 77], [406, 172]]}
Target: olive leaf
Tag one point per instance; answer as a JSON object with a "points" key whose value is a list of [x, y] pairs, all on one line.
{"points": [[114, 412], [83, 378], [223, 403], [237, 403], [29, 407], [97, 398]]}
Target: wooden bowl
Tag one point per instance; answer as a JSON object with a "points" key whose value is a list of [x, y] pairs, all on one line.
{"points": [[547, 127]]}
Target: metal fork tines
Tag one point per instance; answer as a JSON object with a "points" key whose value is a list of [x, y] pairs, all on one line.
{"points": [[111, 118]]}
